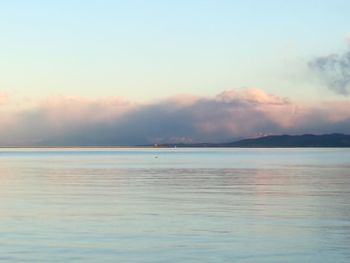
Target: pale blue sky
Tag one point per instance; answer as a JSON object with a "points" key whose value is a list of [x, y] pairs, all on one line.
{"points": [[150, 49]]}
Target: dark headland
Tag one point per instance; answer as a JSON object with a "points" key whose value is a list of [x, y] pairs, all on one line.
{"points": [[280, 141]]}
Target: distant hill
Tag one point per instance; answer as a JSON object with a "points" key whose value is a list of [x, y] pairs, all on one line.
{"points": [[280, 141], [306, 140]]}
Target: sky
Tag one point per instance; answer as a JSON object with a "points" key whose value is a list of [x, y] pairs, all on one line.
{"points": [[76, 72]]}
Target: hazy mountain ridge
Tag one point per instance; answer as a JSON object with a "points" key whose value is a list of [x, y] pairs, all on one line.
{"points": [[283, 141]]}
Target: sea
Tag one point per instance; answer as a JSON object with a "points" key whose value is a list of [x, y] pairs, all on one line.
{"points": [[175, 205]]}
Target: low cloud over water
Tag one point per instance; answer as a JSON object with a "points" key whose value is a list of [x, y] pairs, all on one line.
{"points": [[227, 116]]}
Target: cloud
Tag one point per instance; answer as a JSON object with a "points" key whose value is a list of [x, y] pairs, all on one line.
{"points": [[61, 120], [334, 71], [61, 110], [347, 38], [251, 96], [230, 115], [4, 98]]}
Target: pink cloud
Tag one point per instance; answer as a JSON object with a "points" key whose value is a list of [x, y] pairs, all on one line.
{"points": [[253, 96], [183, 100], [61, 110], [184, 118], [4, 98]]}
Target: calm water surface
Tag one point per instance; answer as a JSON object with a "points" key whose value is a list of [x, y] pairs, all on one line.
{"points": [[175, 205]]}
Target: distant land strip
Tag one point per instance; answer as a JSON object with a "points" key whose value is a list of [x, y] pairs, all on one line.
{"points": [[334, 140]]}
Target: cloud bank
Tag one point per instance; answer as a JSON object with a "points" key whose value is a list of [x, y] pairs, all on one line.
{"points": [[230, 115], [334, 70]]}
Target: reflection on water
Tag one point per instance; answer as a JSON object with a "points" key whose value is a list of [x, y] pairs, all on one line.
{"points": [[175, 205]]}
